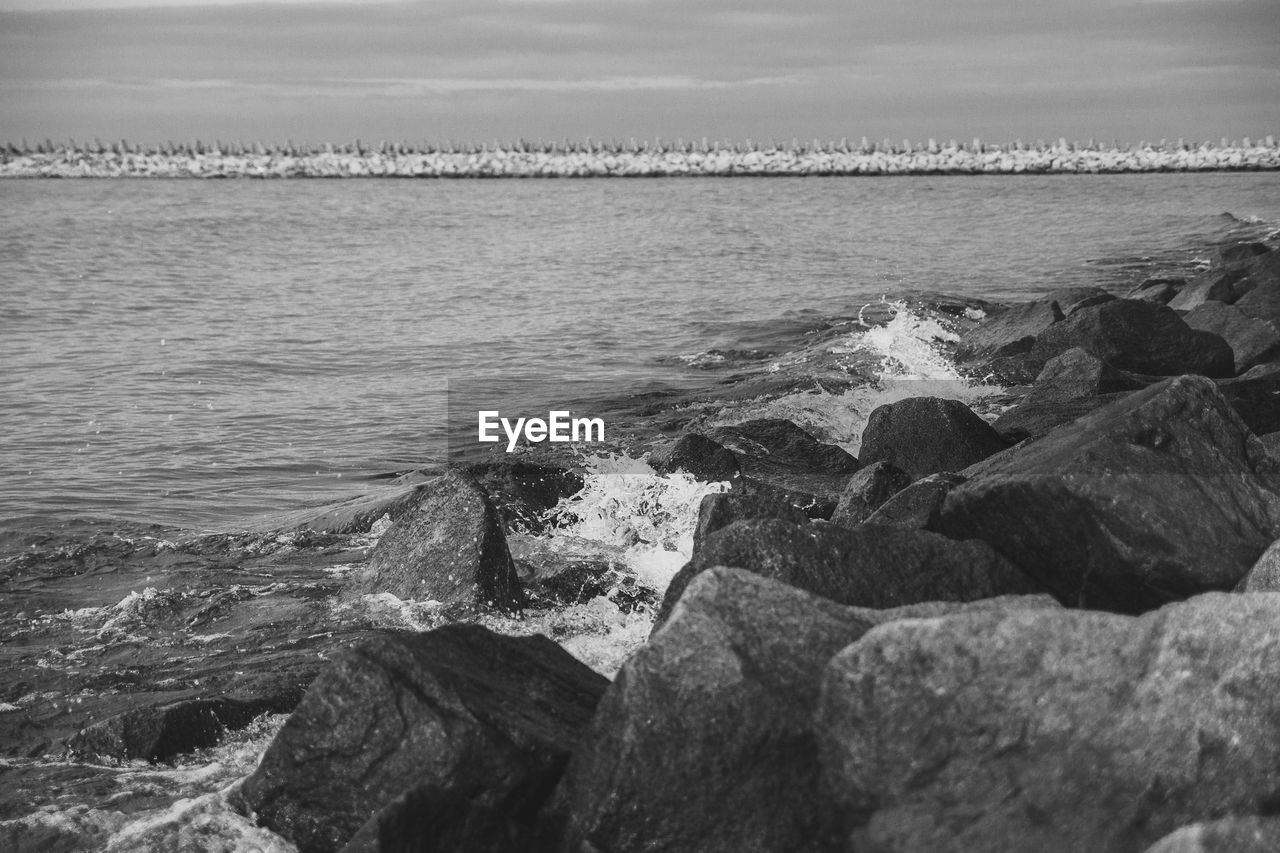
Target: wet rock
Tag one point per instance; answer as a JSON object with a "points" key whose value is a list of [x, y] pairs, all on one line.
{"points": [[869, 566], [721, 510], [1264, 576], [1158, 290], [1250, 834], [458, 713], [163, 732], [1137, 336], [704, 740], [524, 492], [1217, 285], [1156, 497], [1255, 396], [1252, 341], [358, 515], [450, 548], [698, 455], [781, 459], [1036, 416], [925, 435], [1054, 730], [1070, 385], [1010, 332], [867, 492], [1271, 441], [1072, 299], [918, 505]]}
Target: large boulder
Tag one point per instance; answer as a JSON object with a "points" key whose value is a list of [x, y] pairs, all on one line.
{"points": [[704, 740], [1137, 336], [1160, 290], [1156, 497], [1264, 575], [919, 504], [524, 492], [867, 492], [925, 435], [1255, 396], [450, 548], [1227, 835], [698, 455], [1252, 341], [869, 566], [1010, 332], [1055, 731], [720, 510], [1072, 299], [779, 458], [460, 711]]}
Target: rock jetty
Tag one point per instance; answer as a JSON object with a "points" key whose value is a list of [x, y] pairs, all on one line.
{"points": [[594, 159]]}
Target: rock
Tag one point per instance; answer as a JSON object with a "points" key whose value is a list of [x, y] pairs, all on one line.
{"points": [[1010, 332], [1139, 337], [524, 492], [779, 458], [1271, 441], [1036, 416], [1250, 834], [1156, 497], [1252, 341], [925, 435], [917, 506], [1263, 301], [1255, 396], [1158, 290], [1055, 730], [1264, 576], [721, 510], [450, 548], [867, 492], [358, 515], [698, 455], [162, 732], [1070, 385], [1224, 286], [1072, 299], [458, 713], [704, 742], [869, 566]]}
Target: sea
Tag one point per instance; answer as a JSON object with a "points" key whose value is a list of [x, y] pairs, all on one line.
{"points": [[188, 367]]}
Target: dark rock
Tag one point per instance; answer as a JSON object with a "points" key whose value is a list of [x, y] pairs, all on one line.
{"points": [[698, 455], [1250, 834], [1224, 286], [1139, 337], [1271, 441], [1010, 332], [1263, 301], [1265, 574], [1253, 341], [358, 515], [867, 492], [781, 459], [524, 492], [918, 505], [704, 740], [868, 566], [1158, 290], [925, 435], [1052, 731], [1072, 299], [162, 732], [450, 548], [721, 510], [1076, 374], [1156, 497], [460, 714], [1255, 396], [1036, 416]]}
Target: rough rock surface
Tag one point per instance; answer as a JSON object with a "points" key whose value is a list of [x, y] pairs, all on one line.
{"points": [[1053, 731], [721, 510], [1156, 497], [524, 492], [1264, 576], [869, 566], [703, 742], [925, 435], [918, 505], [460, 708], [1010, 332], [451, 548], [1072, 299], [867, 492], [1139, 337], [698, 455], [1252, 341], [1227, 835], [1158, 290], [777, 457]]}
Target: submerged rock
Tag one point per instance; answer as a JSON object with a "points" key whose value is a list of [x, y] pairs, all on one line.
{"points": [[450, 548], [1137, 336], [867, 492], [1156, 497], [698, 455], [704, 741], [926, 435], [1055, 730], [464, 717], [868, 566]]}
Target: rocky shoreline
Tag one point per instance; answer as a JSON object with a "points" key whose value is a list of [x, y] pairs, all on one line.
{"points": [[659, 159], [1055, 627]]}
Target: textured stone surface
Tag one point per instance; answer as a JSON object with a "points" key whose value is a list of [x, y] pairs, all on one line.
{"points": [[867, 492], [925, 435]]}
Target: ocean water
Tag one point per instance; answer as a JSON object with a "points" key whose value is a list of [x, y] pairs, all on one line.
{"points": [[186, 363]]}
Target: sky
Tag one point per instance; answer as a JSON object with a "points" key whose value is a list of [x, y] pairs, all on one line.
{"points": [[484, 70]]}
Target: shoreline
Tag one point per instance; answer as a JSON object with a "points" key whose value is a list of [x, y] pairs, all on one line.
{"points": [[593, 160]]}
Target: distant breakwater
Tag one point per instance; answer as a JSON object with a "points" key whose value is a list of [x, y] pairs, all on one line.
{"points": [[595, 159]]}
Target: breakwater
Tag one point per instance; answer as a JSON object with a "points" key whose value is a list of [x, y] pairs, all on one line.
{"points": [[596, 159]]}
